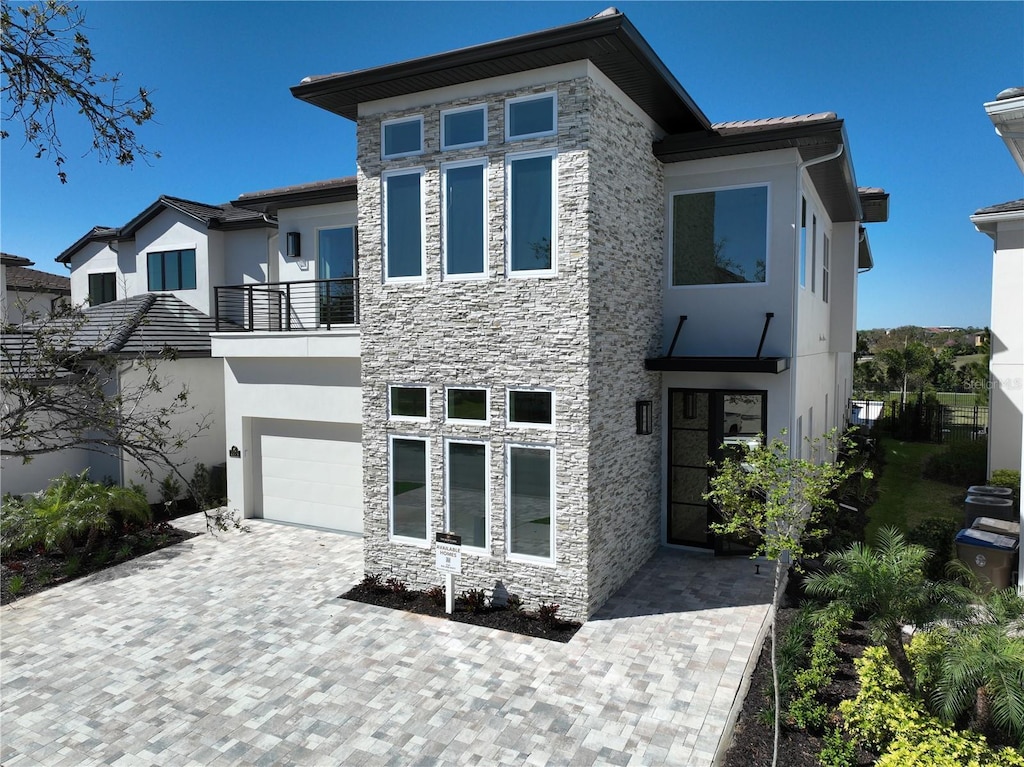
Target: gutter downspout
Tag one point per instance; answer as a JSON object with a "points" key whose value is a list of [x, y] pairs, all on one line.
{"points": [[795, 449]]}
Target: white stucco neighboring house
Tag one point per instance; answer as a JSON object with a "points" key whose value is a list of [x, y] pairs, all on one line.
{"points": [[551, 293], [1004, 223], [27, 293]]}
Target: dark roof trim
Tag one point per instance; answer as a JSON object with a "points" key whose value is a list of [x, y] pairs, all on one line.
{"points": [[1014, 206], [96, 234], [608, 40], [772, 365], [315, 193]]}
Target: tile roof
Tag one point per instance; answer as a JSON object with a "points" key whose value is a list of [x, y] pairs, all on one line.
{"points": [[771, 123], [7, 259], [32, 280], [312, 193], [1004, 207]]}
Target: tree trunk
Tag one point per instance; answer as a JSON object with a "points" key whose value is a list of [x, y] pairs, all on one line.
{"points": [[775, 668], [983, 712], [898, 654]]}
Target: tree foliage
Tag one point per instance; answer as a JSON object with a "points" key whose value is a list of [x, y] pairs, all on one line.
{"points": [[48, 71]]}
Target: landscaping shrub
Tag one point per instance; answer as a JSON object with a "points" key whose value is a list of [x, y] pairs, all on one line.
{"points": [[1007, 478], [938, 535], [886, 719], [963, 463], [805, 710]]}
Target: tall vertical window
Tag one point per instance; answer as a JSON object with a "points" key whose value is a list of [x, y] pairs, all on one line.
{"points": [[531, 507], [531, 213], [102, 288], [531, 116], [464, 212], [336, 265], [464, 127], [720, 237], [409, 488], [466, 492], [172, 270], [401, 137], [803, 242], [824, 269], [403, 225], [814, 252]]}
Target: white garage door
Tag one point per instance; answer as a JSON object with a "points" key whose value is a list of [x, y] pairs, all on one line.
{"points": [[312, 481]]}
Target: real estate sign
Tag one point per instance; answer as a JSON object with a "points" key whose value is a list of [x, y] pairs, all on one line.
{"points": [[449, 553]]}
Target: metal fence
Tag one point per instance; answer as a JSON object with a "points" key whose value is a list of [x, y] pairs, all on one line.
{"points": [[287, 306], [929, 422]]}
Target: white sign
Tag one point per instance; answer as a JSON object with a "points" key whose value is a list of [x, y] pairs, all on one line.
{"points": [[449, 554]]}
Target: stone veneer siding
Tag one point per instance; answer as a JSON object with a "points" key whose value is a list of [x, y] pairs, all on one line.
{"points": [[507, 332]]}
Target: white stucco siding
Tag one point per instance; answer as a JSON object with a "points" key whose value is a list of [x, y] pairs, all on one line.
{"points": [[101, 258], [813, 314], [246, 254], [204, 378], [727, 320], [844, 284], [22, 305], [307, 221], [1006, 399], [18, 477], [171, 230]]}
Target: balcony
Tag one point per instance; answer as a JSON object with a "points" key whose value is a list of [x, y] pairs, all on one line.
{"points": [[284, 307]]}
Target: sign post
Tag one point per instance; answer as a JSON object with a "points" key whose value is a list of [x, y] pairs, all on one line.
{"points": [[449, 562]]}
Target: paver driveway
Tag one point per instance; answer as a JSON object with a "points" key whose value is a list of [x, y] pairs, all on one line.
{"points": [[236, 650]]}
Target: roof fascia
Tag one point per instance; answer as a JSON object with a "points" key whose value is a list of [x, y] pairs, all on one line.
{"points": [[91, 236], [270, 203]]}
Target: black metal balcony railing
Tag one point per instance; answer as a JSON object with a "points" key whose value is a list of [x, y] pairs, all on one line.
{"points": [[287, 306]]}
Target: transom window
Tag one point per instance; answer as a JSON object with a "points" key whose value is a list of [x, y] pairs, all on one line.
{"points": [[464, 127], [401, 137], [403, 225], [531, 116], [531, 407], [466, 492], [531, 506], [102, 288], [531, 214], [464, 207], [172, 270], [720, 237], [409, 488], [407, 402], [466, 405]]}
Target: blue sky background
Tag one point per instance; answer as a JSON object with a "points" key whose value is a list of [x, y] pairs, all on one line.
{"points": [[909, 79]]}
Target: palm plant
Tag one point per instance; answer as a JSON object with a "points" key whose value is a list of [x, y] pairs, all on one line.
{"points": [[888, 583], [982, 668], [71, 510]]}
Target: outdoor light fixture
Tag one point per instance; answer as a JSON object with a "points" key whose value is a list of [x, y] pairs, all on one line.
{"points": [[689, 405], [644, 416], [293, 245]]}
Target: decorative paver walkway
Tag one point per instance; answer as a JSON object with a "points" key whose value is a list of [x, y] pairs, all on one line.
{"points": [[235, 650]]}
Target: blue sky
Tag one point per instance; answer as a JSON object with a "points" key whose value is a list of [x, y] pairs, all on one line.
{"points": [[909, 79]]}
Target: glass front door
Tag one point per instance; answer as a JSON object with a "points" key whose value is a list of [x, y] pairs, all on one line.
{"points": [[702, 425]]}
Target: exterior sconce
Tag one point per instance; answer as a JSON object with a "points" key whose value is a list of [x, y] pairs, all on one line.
{"points": [[293, 245], [689, 406], [234, 452], [644, 416]]}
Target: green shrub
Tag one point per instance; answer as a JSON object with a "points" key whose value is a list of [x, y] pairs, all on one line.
{"points": [[838, 751], [938, 535], [806, 711], [1007, 478], [962, 463], [886, 719]]}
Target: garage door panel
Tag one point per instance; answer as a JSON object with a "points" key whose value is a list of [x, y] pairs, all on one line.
{"points": [[312, 480]]}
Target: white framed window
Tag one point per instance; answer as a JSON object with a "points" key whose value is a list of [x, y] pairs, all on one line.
{"points": [[803, 242], [409, 489], [530, 502], [464, 127], [464, 219], [719, 236], [531, 116], [403, 225], [814, 252], [467, 493], [408, 402], [401, 137], [531, 226], [825, 245], [531, 407], [466, 405]]}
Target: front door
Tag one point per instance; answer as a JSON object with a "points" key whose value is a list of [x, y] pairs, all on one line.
{"points": [[702, 424]]}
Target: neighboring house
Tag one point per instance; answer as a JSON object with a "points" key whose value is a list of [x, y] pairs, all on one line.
{"points": [[28, 293], [1004, 223], [129, 330], [573, 288]]}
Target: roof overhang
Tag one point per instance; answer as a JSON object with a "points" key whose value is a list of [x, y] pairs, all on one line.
{"points": [[987, 220], [270, 201], [96, 234], [1007, 115], [608, 40], [813, 138], [865, 260], [772, 365]]}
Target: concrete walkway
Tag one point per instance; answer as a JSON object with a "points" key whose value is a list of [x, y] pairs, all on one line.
{"points": [[236, 650]]}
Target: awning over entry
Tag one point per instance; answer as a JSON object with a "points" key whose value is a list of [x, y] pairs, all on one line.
{"points": [[691, 364]]}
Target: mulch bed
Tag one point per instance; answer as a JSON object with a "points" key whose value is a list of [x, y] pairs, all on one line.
{"points": [[495, 617], [29, 572], [753, 738]]}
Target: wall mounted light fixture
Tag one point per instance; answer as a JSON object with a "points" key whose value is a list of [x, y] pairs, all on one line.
{"points": [[644, 416], [293, 245]]}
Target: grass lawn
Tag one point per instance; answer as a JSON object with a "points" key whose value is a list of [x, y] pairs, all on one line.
{"points": [[905, 498]]}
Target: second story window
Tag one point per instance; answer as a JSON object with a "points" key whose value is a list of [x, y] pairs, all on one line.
{"points": [[401, 138], [531, 117], [102, 288], [172, 270], [403, 225], [531, 213], [464, 213], [464, 127], [719, 237], [824, 269]]}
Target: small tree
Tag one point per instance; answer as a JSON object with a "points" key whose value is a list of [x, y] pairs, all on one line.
{"points": [[774, 498]]}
